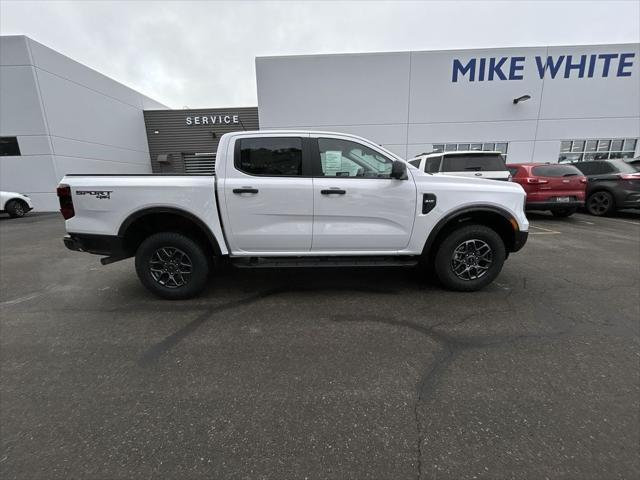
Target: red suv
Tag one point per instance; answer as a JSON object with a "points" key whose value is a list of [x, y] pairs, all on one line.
{"points": [[549, 186]]}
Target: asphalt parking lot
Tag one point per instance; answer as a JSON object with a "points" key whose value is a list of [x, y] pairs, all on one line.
{"points": [[372, 373]]}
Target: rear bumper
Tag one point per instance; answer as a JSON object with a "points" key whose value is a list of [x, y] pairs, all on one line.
{"points": [[552, 205], [110, 245], [519, 240]]}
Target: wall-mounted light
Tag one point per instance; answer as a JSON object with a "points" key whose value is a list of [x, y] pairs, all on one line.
{"points": [[156, 132], [521, 99]]}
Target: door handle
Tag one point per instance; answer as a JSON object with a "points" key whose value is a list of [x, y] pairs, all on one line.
{"points": [[245, 190], [333, 191]]}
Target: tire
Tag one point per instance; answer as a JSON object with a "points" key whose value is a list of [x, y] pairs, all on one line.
{"points": [[563, 212], [485, 256], [172, 266], [600, 203], [16, 208]]}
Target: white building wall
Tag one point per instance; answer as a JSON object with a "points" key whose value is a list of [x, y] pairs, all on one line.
{"points": [[408, 101], [68, 119]]}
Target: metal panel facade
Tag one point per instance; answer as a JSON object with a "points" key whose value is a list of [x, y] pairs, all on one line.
{"points": [[177, 134], [410, 101]]}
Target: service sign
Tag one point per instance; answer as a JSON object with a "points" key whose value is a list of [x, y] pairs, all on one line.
{"points": [[597, 65], [212, 120]]}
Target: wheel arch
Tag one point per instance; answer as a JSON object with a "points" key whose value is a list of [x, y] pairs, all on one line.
{"points": [[142, 223], [499, 219], [14, 199]]}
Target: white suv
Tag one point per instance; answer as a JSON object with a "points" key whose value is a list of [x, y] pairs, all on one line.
{"points": [[472, 163]]}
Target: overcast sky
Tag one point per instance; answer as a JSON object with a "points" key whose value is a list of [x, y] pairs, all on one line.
{"points": [[201, 54]]}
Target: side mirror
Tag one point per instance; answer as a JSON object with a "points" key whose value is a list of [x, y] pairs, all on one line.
{"points": [[399, 170]]}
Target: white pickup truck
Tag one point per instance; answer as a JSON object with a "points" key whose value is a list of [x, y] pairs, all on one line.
{"points": [[294, 198]]}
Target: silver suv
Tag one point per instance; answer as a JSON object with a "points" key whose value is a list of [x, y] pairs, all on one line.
{"points": [[472, 163]]}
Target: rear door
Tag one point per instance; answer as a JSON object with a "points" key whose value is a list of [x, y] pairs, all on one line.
{"points": [[477, 165], [269, 195], [357, 206]]}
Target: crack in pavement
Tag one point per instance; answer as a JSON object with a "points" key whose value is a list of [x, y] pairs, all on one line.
{"points": [[452, 347], [452, 344]]}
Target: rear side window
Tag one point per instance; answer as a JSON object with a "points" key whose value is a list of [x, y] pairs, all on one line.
{"points": [[270, 156], [473, 163], [513, 170], [432, 165], [555, 171]]}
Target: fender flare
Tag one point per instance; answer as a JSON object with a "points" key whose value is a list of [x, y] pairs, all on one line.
{"points": [[461, 212], [174, 211]]}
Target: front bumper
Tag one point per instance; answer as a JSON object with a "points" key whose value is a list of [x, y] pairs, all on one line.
{"points": [[110, 245], [519, 239]]}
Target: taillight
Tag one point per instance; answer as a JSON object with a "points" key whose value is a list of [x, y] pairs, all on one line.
{"points": [[629, 176], [66, 202], [536, 180]]}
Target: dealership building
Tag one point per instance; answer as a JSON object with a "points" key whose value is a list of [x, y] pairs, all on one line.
{"points": [[542, 104]]}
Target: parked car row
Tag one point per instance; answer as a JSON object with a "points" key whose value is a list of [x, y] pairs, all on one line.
{"points": [[601, 186]]}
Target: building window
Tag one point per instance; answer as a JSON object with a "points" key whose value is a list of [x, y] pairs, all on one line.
{"points": [[501, 147], [9, 147], [600, 149]]}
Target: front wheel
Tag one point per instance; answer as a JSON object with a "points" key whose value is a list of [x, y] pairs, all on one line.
{"points": [[172, 266], [470, 258], [16, 208]]}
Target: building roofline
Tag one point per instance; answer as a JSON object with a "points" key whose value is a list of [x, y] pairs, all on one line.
{"points": [[474, 49]]}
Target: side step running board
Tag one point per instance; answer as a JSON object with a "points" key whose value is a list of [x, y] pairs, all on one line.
{"points": [[335, 261]]}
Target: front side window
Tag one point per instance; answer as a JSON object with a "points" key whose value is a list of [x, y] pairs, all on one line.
{"points": [[344, 158], [270, 156], [9, 147], [415, 163]]}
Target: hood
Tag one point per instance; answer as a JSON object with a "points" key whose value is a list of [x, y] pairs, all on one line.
{"points": [[465, 183]]}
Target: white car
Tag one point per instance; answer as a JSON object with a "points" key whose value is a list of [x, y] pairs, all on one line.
{"points": [[15, 204], [295, 199], [471, 163]]}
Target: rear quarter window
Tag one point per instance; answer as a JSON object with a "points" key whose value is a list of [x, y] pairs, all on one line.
{"points": [[555, 171], [512, 170], [473, 163]]}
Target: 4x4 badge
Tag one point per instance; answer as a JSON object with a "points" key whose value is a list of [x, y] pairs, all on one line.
{"points": [[99, 194]]}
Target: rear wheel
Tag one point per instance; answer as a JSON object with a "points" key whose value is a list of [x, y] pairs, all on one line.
{"points": [[16, 208], [600, 203], [172, 266], [470, 258], [563, 212]]}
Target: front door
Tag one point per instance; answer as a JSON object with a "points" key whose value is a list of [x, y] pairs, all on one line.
{"points": [[357, 206], [269, 201]]}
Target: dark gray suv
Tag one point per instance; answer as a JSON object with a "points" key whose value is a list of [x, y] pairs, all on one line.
{"points": [[612, 185]]}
